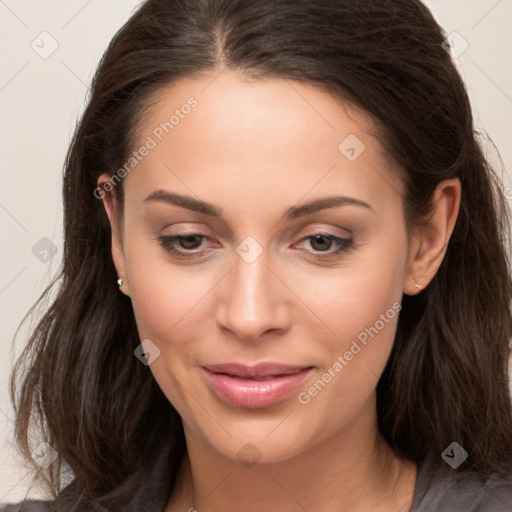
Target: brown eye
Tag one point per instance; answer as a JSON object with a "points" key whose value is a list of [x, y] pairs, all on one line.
{"points": [[180, 245]]}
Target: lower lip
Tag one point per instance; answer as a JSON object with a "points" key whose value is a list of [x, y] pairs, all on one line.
{"points": [[251, 393]]}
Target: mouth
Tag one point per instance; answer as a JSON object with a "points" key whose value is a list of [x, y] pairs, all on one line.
{"points": [[254, 386], [258, 371]]}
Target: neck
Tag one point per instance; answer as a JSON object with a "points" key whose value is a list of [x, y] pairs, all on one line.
{"points": [[351, 470]]}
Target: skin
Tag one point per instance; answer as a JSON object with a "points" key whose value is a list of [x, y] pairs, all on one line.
{"points": [[255, 149]]}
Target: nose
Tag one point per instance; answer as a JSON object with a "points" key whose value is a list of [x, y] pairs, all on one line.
{"points": [[254, 300]]}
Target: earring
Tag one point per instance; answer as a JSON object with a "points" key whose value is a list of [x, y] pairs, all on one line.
{"points": [[120, 282]]}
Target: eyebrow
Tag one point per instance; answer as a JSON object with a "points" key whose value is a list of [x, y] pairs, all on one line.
{"points": [[293, 212]]}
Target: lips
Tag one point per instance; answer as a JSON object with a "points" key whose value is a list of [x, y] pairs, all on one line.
{"points": [[253, 372], [254, 386]]}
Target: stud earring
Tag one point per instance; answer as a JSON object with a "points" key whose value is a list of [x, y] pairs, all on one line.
{"points": [[120, 282]]}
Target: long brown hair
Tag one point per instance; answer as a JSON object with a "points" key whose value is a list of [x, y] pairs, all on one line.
{"points": [[78, 382]]}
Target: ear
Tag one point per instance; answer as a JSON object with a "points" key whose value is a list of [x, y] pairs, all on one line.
{"points": [[431, 240], [106, 192]]}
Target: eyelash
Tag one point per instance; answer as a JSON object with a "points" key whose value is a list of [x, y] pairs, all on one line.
{"points": [[345, 245]]}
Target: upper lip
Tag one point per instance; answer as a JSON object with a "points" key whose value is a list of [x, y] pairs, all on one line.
{"points": [[258, 370]]}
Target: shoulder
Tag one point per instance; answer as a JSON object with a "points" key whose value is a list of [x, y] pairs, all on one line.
{"points": [[495, 495], [26, 506], [464, 493]]}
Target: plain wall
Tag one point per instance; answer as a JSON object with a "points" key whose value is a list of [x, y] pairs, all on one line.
{"points": [[42, 95]]}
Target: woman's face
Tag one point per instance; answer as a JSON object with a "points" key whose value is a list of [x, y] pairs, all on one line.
{"points": [[281, 269]]}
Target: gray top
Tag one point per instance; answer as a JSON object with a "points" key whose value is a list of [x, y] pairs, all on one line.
{"points": [[466, 493], [451, 494]]}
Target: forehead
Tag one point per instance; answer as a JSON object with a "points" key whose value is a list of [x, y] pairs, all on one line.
{"points": [[274, 138]]}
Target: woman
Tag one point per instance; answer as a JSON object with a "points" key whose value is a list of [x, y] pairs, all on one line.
{"points": [[285, 282]]}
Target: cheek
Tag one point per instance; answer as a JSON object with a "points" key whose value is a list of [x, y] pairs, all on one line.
{"points": [[353, 298], [361, 309], [162, 296], [166, 307]]}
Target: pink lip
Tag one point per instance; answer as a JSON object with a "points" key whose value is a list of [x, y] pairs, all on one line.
{"points": [[254, 386]]}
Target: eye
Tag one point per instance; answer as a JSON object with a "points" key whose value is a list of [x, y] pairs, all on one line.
{"points": [[187, 242], [322, 243]]}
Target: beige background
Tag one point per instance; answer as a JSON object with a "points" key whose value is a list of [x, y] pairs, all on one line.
{"points": [[41, 98]]}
